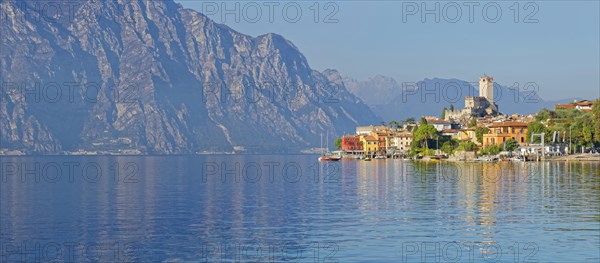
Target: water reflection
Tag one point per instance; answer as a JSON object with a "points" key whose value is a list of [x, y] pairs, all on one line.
{"points": [[277, 208]]}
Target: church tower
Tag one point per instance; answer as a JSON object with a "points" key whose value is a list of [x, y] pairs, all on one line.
{"points": [[486, 88]]}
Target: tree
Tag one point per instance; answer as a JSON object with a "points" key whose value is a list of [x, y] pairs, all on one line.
{"points": [[480, 131], [443, 117], [423, 121], [423, 134], [490, 150], [472, 122], [338, 143], [451, 107], [511, 145], [410, 120], [587, 133], [537, 128], [393, 124], [596, 120], [543, 115], [467, 146], [448, 147]]}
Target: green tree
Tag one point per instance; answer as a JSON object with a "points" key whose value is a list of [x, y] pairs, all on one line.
{"points": [[395, 124], [423, 134], [596, 120], [587, 133], [511, 145], [423, 121], [448, 147], [338, 143], [479, 132], [472, 122], [535, 127], [443, 117], [410, 120], [490, 150], [543, 115], [451, 107], [467, 146]]}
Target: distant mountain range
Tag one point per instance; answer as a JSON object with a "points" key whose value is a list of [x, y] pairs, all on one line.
{"points": [[397, 101], [153, 77]]}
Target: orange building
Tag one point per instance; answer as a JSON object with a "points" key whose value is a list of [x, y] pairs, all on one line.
{"points": [[504, 131]]}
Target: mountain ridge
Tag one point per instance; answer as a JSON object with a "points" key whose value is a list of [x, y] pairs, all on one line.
{"points": [[429, 96], [164, 80]]}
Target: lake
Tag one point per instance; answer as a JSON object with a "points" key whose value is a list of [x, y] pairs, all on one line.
{"points": [[262, 208]]}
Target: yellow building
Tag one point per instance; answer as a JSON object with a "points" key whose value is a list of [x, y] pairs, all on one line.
{"points": [[467, 135], [370, 144], [504, 131]]}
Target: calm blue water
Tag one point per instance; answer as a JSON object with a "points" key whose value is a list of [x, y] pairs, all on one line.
{"points": [[293, 209]]}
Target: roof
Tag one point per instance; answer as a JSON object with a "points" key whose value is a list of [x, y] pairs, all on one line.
{"points": [[508, 124], [584, 103], [564, 106], [370, 138]]}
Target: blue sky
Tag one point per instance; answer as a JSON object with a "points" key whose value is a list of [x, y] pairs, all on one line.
{"points": [[558, 48]]}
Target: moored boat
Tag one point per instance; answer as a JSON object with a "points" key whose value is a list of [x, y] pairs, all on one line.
{"points": [[329, 158]]}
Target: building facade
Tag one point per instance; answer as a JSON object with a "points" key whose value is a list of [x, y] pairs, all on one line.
{"points": [[370, 144], [402, 140], [504, 131], [352, 144]]}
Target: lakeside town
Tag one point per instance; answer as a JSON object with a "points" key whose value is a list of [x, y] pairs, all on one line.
{"points": [[479, 132]]}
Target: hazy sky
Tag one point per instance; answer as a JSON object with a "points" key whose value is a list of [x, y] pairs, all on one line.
{"points": [[555, 44]]}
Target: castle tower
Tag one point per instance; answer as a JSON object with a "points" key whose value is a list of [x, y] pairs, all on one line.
{"points": [[486, 88]]}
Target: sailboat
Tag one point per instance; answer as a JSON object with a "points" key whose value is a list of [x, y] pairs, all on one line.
{"points": [[326, 156]]}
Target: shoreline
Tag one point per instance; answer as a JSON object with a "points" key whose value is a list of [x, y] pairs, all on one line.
{"points": [[594, 157]]}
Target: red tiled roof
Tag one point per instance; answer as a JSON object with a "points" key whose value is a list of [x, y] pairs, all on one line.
{"points": [[564, 106], [508, 124]]}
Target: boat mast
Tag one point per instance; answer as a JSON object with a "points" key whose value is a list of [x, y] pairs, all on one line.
{"points": [[321, 147], [327, 142]]}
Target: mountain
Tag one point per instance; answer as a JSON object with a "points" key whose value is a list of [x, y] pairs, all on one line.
{"points": [[387, 89], [393, 101], [153, 77]]}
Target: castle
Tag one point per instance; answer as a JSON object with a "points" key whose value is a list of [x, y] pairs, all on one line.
{"points": [[477, 106]]}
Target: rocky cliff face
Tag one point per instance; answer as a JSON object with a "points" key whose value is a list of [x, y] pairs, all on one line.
{"points": [[154, 77]]}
